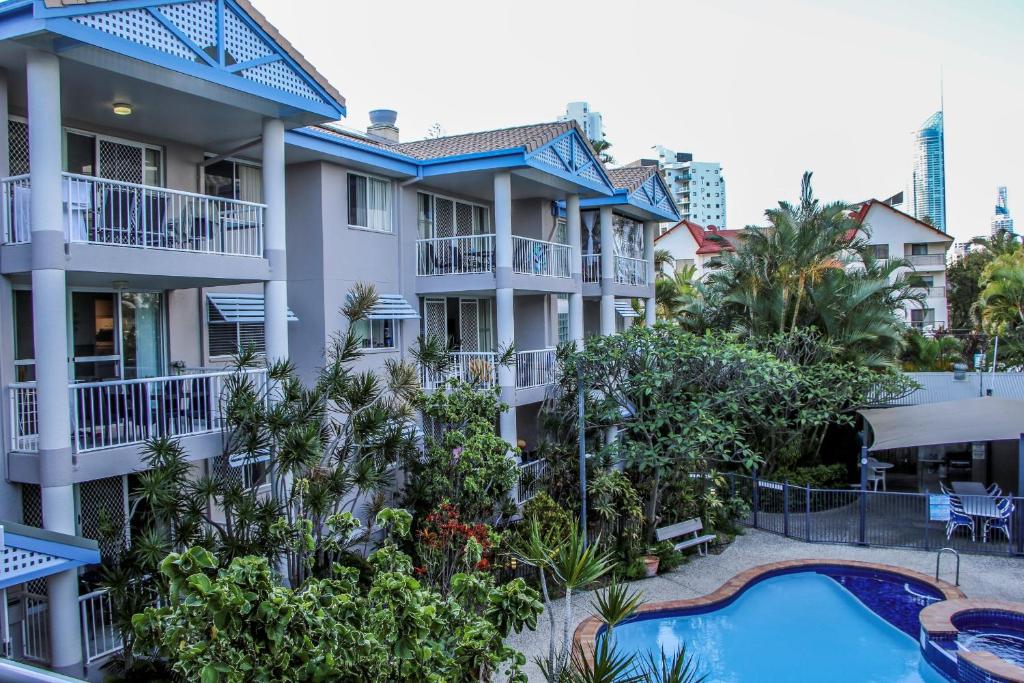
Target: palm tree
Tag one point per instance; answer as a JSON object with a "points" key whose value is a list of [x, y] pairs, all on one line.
{"points": [[999, 244], [1001, 303], [601, 148], [672, 293], [809, 268], [664, 263]]}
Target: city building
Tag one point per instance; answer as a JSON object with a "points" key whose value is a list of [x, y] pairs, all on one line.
{"points": [[590, 122], [692, 244], [927, 200], [1001, 220], [894, 234], [698, 187], [188, 194]]}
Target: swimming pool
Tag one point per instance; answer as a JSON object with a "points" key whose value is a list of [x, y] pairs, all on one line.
{"points": [[802, 626]]}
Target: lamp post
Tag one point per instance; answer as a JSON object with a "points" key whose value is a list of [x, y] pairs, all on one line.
{"points": [[583, 451]]}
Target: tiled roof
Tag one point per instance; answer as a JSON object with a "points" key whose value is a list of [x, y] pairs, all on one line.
{"points": [[938, 387], [528, 137], [630, 177], [705, 244], [258, 17], [346, 134]]}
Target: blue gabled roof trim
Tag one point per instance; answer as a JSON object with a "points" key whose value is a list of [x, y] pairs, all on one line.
{"points": [[622, 196], [352, 150], [653, 195], [76, 552], [573, 162], [59, 21]]}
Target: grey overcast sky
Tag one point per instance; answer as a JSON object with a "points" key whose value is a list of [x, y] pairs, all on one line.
{"points": [[768, 89]]}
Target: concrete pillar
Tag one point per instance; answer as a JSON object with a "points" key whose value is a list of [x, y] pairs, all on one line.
{"points": [[573, 227], [650, 232], [607, 272], [49, 312], [504, 299], [275, 290]]}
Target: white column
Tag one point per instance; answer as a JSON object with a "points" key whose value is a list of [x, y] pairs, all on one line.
{"points": [[573, 227], [650, 232], [49, 313], [504, 295], [607, 272], [275, 290]]}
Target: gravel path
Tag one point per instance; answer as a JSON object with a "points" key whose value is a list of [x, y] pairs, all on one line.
{"points": [[981, 576]]}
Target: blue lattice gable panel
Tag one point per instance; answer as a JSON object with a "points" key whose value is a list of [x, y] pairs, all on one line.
{"points": [[28, 553], [570, 157], [213, 39], [653, 195]]}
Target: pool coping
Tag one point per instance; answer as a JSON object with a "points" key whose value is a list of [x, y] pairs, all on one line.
{"points": [[937, 624], [586, 632]]}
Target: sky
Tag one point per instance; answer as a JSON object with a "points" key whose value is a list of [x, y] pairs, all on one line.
{"points": [[768, 89]]}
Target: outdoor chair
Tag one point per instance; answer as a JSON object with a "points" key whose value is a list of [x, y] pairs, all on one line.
{"points": [[117, 217], [876, 474], [155, 222], [945, 489], [994, 490], [1002, 522], [958, 517]]}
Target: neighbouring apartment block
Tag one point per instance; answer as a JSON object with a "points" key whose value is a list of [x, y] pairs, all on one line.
{"points": [[173, 188], [698, 187]]}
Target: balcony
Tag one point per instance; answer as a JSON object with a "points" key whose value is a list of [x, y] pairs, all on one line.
{"points": [[114, 213], [631, 271], [927, 260], [125, 412], [535, 368], [469, 366], [455, 255], [931, 292], [537, 257], [592, 268]]}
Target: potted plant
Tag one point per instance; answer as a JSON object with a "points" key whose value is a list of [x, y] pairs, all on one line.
{"points": [[651, 562]]}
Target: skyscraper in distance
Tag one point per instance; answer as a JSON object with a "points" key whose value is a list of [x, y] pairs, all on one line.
{"points": [[590, 121], [698, 187], [1001, 220], [928, 182]]}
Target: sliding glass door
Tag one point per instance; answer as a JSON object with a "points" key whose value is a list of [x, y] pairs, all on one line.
{"points": [[115, 335]]}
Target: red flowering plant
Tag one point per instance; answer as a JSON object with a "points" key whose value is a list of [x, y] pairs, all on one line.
{"points": [[447, 546]]}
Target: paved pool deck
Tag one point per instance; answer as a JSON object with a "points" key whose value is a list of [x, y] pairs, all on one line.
{"points": [[981, 576]]}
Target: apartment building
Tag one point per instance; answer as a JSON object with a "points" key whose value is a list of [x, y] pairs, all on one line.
{"points": [[894, 234], [698, 187], [186, 195]]}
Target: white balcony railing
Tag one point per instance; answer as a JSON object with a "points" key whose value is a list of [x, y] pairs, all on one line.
{"points": [[535, 368], [530, 476], [927, 260], [455, 255], [35, 632], [591, 267], [111, 212], [931, 292], [469, 366], [630, 271], [537, 257], [123, 412], [100, 635]]}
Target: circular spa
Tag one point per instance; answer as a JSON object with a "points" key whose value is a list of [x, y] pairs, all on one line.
{"points": [[975, 640], [796, 621]]}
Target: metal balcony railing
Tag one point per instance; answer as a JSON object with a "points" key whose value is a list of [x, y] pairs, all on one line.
{"points": [[927, 259], [455, 255], [630, 271], [535, 368], [591, 267], [124, 412], [537, 257], [469, 366], [110, 212]]}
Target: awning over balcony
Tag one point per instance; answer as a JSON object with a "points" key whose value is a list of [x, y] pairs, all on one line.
{"points": [[625, 309], [33, 553], [392, 307], [241, 308]]}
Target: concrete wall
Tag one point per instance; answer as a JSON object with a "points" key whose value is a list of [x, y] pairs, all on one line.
{"points": [[533, 322]]}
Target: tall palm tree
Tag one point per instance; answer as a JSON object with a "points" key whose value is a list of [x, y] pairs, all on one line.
{"points": [[1001, 303], [999, 244], [664, 263]]}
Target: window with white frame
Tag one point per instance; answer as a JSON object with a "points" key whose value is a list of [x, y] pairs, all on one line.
{"points": [[369, 202], [375, 334], [228, 338]]}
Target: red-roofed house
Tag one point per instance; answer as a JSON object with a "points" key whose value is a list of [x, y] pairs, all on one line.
{"points": [[693, 244]]}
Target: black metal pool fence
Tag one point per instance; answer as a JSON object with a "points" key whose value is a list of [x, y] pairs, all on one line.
{"points": [[867, 517]]}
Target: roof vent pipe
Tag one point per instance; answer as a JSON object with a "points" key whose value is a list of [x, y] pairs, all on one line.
{"points": [[382, 124]]}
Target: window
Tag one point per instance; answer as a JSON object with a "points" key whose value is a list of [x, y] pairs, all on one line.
{"points": [[228, 338], [232, 179], [440, 217], [369, 203], [922, 317], [918, 249], [24, 342], [879, 251], [375, 334]]}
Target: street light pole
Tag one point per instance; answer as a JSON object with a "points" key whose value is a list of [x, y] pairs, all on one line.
{"points": [[583, 452]]}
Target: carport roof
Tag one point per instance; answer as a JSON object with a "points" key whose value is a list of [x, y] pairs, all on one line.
{"points": [[933, 424]]}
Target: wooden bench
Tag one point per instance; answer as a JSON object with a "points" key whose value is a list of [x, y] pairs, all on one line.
{"points": [[690, 526]]}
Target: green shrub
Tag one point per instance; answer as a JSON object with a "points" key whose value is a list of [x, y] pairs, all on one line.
{"points": [[817, 476], [554, 522], [669, 557]]}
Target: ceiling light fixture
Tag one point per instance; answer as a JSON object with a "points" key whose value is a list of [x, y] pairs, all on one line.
{"points": [[122, 109]]}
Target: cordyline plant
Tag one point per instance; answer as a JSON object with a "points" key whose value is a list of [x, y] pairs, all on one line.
{"points": [[320, 454], [237, 623]]}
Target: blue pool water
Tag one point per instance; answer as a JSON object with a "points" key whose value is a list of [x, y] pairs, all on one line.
{"points": [[795, 627]]}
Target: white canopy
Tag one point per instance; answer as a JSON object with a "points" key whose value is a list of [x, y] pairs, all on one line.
{"points": [[934, 424]]}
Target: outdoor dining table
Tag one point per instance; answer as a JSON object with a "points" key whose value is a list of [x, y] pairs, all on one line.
{"points": [[970, 488]]}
